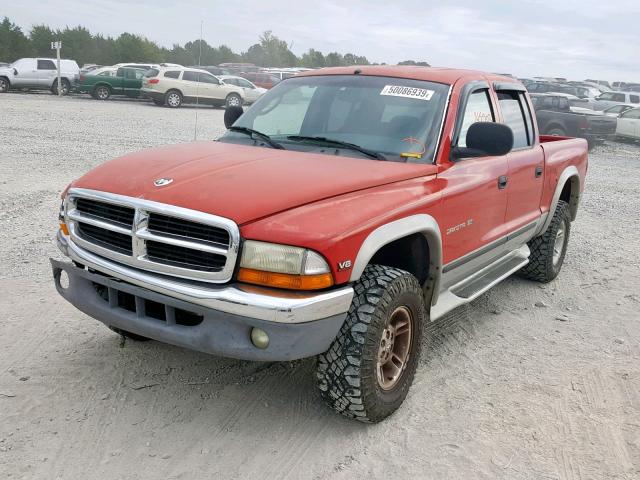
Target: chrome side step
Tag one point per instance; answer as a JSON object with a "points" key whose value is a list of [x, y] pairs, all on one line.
{"points": [[481, 281]]}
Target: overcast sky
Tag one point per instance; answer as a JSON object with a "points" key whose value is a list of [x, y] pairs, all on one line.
{"points": [[577, 39]]}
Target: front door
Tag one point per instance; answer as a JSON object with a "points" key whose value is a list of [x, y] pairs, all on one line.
{"points": [[476, 202]]}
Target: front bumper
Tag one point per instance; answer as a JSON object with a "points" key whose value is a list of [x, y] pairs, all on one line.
{"points": [[299, 325]]}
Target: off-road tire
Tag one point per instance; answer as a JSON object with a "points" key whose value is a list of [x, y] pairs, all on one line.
{"points": [[132, 336], [541, 266], [346, 373], [66, 87], [5, 84]]}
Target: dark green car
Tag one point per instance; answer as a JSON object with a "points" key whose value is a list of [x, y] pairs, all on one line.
{"points": [[127, 81]]}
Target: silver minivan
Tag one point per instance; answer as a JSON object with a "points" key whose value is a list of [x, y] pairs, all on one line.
{"points": [[39, 74]]}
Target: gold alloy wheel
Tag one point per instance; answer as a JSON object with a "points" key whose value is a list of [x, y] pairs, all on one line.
{"points": [[395, 348]]}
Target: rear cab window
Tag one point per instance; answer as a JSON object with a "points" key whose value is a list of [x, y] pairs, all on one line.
{"points": [[515, 114]]}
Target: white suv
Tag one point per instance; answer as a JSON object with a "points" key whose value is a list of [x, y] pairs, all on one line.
{"points": [[39, 74], [173, 86]]}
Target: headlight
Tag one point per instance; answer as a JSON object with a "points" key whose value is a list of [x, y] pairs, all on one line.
{"points": [[283, 266]]}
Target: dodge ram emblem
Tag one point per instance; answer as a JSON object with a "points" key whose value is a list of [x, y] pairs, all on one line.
{"points": [[161, 182]]}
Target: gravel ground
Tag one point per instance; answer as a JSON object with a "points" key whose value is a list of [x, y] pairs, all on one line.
{"points": [[528, 382]]}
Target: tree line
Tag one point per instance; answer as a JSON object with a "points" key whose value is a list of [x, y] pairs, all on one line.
{"points": [[81, 45]]}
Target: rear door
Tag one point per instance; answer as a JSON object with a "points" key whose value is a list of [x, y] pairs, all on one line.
{"points": [[46, 73], [132, 81], [526, 160], [476, 204]]}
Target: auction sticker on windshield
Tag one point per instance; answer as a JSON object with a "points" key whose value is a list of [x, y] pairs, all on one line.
{"points": [[407, 92]]}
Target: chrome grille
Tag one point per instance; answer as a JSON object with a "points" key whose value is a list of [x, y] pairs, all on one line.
{"points": [[153, 236]]}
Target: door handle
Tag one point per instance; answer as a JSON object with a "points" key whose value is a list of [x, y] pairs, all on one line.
{"points": [[538, 171], [502, 182]]}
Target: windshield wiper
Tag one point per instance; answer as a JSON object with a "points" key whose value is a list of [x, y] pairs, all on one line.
{"points": [[338, 143], [263, 136]]}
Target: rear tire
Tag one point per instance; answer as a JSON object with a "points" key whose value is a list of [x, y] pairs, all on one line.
{"points": [[173, 99], [233, 100], [367, 371], [101, 92], [548, 250], [5, 85], [66, 87], [557, 132]]}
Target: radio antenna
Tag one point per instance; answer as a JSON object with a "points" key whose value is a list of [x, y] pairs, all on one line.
{"points": [[195, 127]]}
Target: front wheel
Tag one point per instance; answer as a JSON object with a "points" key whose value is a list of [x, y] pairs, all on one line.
{"points": [[233, 100], [65, 88], [549, 249], [4, 85], [367, 371]]}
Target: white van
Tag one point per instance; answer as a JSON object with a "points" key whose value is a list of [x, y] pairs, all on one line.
{"points": [[39, 74]]}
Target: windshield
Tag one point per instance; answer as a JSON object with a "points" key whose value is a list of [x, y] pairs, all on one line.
{"points": [[396, 117]]}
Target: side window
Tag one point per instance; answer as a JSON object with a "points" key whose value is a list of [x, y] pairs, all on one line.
{"points": [[172, 74], [478, 109], [635, 113], [189, 76], [513, 115], [130, 74], [206, 78], [46, 65], [634, 98], [618, 97], [528, 117], [120, 72]]}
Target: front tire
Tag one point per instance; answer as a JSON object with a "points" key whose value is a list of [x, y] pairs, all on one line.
{"points": [[173, 99], [5, 85], [367, 371], [557, 132], [548, 250]]}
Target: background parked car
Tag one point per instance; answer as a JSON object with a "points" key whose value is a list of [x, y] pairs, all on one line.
{"points": [[213, 70], [126, 81], [264, 80], [555, 117], [609, 99], [628, 125], [251, 92], [39, 74], [174, 86], [617, 110]]}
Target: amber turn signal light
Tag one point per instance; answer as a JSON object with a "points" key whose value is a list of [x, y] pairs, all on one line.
{"points": [[64, 228], [285, 280]]}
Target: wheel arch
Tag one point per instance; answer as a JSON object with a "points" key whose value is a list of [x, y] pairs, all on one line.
{"points": [[410, 235], [567, 189], [555, 126]]}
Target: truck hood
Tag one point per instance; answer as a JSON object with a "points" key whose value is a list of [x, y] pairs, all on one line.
{"points": [[243, 183]]}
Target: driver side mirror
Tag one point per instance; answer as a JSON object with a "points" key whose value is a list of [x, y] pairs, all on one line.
{"points": [[231, 114], [15, 72], [485, 139]]}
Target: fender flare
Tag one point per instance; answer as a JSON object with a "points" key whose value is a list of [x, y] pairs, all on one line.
{"points": [[389, 232], [569, 174]]}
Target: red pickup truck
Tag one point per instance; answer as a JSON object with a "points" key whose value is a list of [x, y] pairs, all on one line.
{"points": [[337, 215]]}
